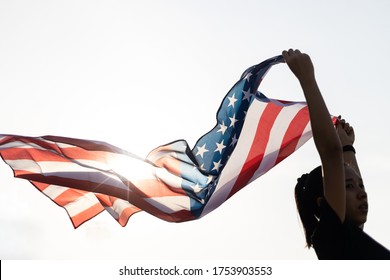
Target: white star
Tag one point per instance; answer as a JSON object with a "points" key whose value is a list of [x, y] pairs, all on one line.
{"points": [[201, 150], [209, 179], [197, 189], [217, 165], [233, 120], [234, 140], [220, 147], [232, 100], [222, 128], [247, 95], [248, 76]]}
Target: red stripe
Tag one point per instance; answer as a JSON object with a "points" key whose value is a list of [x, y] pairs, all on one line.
{"points": [[135, 199], [293, 134], [37, 141], [40, 186], [33, 154], [68, 196], [144, 188], [89, 145], [259, 144], [86, 215], [80, 218], [79, 153], [77, 184], [62, 155], [53, 150], [106, 200], [156, 188], [126, 214], [178, 217], [169, 163]]}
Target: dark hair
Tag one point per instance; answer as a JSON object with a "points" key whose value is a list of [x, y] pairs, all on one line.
{"points": [[307, 190]]}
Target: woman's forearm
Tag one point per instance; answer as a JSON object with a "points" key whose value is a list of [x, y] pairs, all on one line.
{"points": [[324, 133]]}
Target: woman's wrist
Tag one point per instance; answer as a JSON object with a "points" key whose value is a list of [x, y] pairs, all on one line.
{"points": [[349, 148]]}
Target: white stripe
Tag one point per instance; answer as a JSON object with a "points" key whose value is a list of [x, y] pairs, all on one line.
{"points": [[66, 170], [237, 160], [47, 166], [120, 205], [289, 103], [277, 133], [81, 204], [170, 204], [156, 155], [306, 135], [168, 178], [91, 164], [112, 212], [131, 168], [53, 191], [21, 145], [61, 145]]}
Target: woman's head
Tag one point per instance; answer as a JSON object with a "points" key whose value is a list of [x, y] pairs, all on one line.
{"points": [[309, 193]]}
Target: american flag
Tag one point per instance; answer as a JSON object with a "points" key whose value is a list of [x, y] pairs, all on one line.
{"points": [[174, 183]]}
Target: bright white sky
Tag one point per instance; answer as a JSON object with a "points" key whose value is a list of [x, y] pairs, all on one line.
{"points": [[138, 74]]}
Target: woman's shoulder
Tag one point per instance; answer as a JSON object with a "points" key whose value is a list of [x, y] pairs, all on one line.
{"points": [[328, 237], [336, 240], [328, 217]]}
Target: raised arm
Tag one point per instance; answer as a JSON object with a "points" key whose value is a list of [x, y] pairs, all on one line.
{"points": [[325, 136]]}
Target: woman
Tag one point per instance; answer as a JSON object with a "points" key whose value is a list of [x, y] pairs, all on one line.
{"points": [[331, 200]]}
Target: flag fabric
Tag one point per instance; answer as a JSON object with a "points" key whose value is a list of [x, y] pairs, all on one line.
{"points": [[174, 182]]}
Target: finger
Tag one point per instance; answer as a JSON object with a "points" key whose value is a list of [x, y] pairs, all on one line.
{"points": [[348, 128], [342, 122]]}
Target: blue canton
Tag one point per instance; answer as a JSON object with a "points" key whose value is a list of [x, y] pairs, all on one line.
{"points": [[213, 150]]}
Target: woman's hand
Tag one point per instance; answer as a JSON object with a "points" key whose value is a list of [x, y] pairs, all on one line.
{"points": [[345, 132], [300, 64]]}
